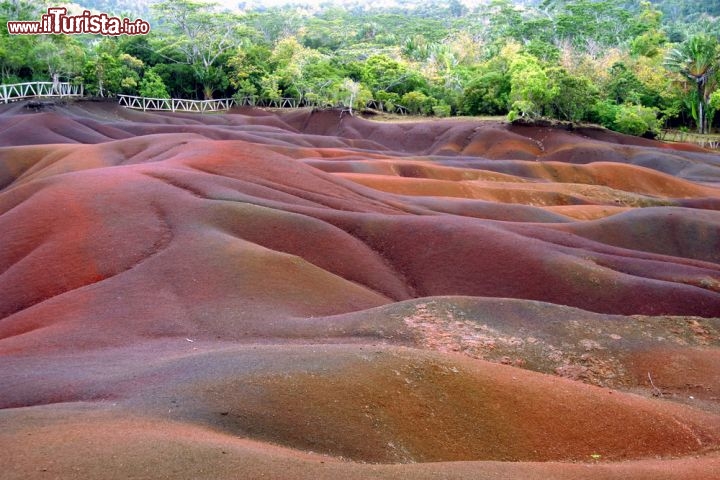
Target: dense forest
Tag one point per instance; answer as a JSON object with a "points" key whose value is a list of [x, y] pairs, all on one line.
{"points": [[632, 66]]}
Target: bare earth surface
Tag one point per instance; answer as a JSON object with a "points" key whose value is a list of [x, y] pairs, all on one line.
{"points": [[310, 295]]}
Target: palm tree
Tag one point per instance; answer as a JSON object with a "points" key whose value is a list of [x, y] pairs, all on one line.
{"points": [[697, 59]]}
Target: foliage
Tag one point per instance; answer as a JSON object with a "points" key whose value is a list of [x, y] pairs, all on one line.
{"points": [[389, 99], [247, 66], [200, 36], [59, 56], [152, 86], [636, 120], [575, 95], [178, 78], [715, 100], [626, 64], [488, 94], [111, 73], [698, 60], [442, 110], [592, 22], [380, 72], [627, 118], [624, 86], [651, 37], [418, 103], [531, 91], [351, 94]]}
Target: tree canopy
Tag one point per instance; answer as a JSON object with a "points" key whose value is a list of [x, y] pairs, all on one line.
{"points": [[631, 65], [697, 59]]}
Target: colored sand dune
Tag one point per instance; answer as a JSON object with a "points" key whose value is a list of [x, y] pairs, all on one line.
{"points": [[315, 295]]}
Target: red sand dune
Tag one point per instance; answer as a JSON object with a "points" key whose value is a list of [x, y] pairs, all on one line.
{"points": [[314, 295]]}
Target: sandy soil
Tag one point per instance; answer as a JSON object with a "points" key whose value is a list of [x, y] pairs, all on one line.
{"points": [[315, 295]]}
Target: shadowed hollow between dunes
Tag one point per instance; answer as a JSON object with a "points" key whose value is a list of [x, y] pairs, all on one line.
{"points": [[265, 285]]}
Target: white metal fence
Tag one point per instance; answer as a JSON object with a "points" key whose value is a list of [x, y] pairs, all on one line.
{"points": [[182, 105], [19, 91], [175, 104]]}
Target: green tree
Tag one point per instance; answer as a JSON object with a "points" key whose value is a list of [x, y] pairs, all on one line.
{"points": [[624, 86], [627, 118], [352, 94], [179, 79], [389, 100], [715, 100], [248, 66], [152, 86], [200, 35], [275, 23], [418, 103], [16, 51], [576, 97], [531, 90], [636, 120], [697, 60], [649, 35], [288, 62], [319, 74], [659, 90], [488, 94], [270, 88], [504, 20], [59, 56], [591, 24], [326, 33], [110, 70], [380, 72]]}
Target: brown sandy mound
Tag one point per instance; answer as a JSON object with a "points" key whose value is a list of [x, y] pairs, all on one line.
{"points": [[611, 351], [67, 441], [420, 407], [690, 374], [381, 404], [669, 231], [249, 283]]}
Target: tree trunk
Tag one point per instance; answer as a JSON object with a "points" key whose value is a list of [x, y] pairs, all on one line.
{"points": [[207, 91], [55, 83], [701, 105]]}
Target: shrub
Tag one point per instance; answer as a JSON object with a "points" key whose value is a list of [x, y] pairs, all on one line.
{"points": [[442, 110], [152, 86], [575, 98], [531, 91], [604, 113], [715, 100], [487, 94], [627, 118], [636, 120], [388, 99], [417, 102]]}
